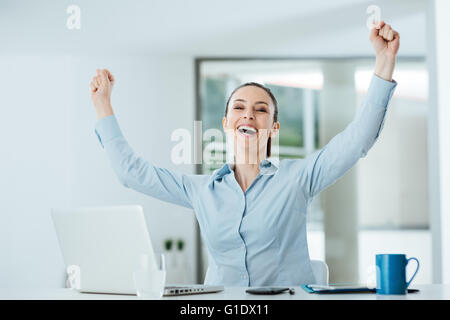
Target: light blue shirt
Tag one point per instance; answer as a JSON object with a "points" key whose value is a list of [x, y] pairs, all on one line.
{"points": [[256, 237]]}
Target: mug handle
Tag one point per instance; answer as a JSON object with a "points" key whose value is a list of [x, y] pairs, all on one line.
{"points": [[417, 269]]}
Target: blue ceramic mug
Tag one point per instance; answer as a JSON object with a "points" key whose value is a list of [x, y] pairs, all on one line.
{"points": [[391, 273]]}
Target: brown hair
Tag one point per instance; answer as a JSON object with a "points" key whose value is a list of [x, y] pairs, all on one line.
{"points": [[274, 100]]}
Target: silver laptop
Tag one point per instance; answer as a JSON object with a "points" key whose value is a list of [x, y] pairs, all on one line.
{"points": [[105, 244]]}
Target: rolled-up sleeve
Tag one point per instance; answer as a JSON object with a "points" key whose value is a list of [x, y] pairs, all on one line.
{"points": [[137, 173], [342, 152]]}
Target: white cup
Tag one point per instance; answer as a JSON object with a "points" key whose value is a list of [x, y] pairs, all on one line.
{"points": [[150, 282]]}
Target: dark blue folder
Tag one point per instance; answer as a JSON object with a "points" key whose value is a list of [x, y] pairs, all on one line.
{"points": [[343, 288], [339, 289]]}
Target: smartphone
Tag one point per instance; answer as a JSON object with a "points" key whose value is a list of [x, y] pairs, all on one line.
{"points": [[267, 290]]}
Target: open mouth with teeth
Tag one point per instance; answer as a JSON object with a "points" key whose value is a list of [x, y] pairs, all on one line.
{"points": [[247, 131]]}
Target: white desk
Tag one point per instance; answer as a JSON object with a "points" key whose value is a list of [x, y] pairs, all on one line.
{"points": [[427, 292]]}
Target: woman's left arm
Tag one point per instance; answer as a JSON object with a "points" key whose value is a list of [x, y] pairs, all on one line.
{"points": [[325, 166]]}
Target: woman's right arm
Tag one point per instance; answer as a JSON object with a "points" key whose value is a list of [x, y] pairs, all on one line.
{"points": [[133, 171]]}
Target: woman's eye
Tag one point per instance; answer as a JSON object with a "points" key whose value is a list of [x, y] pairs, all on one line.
{"points": [[241, 108]]}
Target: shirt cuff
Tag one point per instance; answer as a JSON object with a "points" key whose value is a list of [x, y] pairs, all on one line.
{"points": [[380, 90], [107, 129]]}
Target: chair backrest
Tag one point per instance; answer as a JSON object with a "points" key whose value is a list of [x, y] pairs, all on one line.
{"points": [[320, 270]]}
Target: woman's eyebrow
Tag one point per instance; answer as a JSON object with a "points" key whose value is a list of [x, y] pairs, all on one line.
{"points": [[257, 102]]}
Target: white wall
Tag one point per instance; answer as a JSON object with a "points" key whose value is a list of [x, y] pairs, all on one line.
{"points": [[34, 172], [393, 179], [439, 65], [51, 156]]}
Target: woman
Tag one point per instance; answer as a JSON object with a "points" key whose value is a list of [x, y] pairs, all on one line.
{"points": [[252, 212]]}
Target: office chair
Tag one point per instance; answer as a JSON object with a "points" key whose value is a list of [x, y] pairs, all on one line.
{"points": [[320, 271]]}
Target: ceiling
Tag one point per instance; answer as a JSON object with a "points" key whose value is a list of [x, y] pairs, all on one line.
{"points": [[205, 27]]}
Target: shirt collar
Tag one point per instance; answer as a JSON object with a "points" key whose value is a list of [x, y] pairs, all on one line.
{"points": [[267, 167]]}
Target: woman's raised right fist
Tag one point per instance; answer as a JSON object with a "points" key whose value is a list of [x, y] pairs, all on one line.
{"points": [[101, 88]]}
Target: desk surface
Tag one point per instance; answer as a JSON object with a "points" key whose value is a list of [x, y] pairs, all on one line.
{"points": [[427, 292]]}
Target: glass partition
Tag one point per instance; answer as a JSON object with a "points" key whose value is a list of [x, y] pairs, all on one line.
{"points": [[391, 181]]}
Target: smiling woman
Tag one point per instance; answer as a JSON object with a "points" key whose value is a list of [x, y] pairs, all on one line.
{"points": [[251, 112], [263, 106], [252, 211]]}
